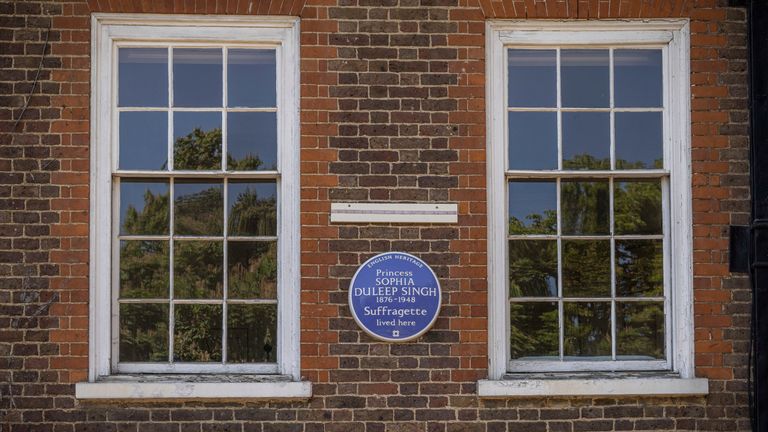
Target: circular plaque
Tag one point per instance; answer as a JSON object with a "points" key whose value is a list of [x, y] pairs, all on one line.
{"points": [[395, 297]]}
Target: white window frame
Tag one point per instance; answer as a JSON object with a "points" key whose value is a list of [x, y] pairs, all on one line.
{"points": [[673, 37], [108, 32]]}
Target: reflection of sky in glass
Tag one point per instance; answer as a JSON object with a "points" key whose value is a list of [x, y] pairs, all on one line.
{"points": [[251, 78], [584, 78], [143, 74], [143, 140], [586, 133], [258, 218], [186, 122], [197, 77], [264, 191], [532, 140], [187, 190], [637, 78], [532, 198], [254, 134], [132, 195], [532, 78], [639, 140]]}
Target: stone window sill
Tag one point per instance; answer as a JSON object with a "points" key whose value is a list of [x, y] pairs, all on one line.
{"points": [[193, 387], [590, 385]]}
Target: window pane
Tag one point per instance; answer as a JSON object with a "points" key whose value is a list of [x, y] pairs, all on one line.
{"points": [[640, 330], [532, 207], [197, 76], [639, 268], [143, 141], [532, 140], [252, 269], [252, 208], [585, 207], [587, 330], [532, 78], [534, 330], [586, 140], [197, 335], [252, 333], [584, 78], [144, 266], [143, 207], [199, 208], [637, 207], [533, 268], [198, 268], [197, 141], [637, 78], [143, 75], [143, 332], [251, 141], [251, 78], [586, 268], [639, 140]]}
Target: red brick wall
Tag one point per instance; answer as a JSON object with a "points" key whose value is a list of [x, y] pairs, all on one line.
{"points": [[393, 109]]}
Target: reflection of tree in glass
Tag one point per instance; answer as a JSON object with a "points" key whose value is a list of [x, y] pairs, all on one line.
{"points": [[585, 206], [144, 269], [536, 223], [534, 330], [252, 333], [586, 161], [153, 219], [201, 150], [639, 268], [532, 268], [198, 269], [197, 333], [200, 213], [587, 329], [143, 332], [253, 270], [252, 215], [637, 207], [641, 329]]}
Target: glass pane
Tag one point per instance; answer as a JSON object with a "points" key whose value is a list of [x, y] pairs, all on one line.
{"points": [[144, 266], [640, 330], [532, 140], [252, 208], [143, 77], [197, 141], [534, 330], [197, 335], [585, 207], [252, 78], [532, 78], [587, 330], [252, 269], [639, 268], [199, 208], [143, 141], [533, 268], [251, 141], [198, 268], [639, 140], [143, 207], [586, 140], [197, 76], [252, 333], [637, 207], [586, 268], [143, 332], [532, 207], [637, 78], [584, 78]]}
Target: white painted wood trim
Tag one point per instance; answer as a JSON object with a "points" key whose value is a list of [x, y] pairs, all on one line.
{"points": [[394, 213], [592, 387], [590, 38], [189, 390]]}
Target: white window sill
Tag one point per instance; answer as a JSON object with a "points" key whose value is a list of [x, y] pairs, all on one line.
{"points": [[193, 387], [624, 384]]}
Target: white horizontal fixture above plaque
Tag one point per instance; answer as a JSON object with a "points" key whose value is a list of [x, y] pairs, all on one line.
{"points": [[394, 213]]}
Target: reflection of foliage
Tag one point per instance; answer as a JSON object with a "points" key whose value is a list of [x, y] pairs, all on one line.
{"points": [[586, 161], [197, 335], [200, 213], [252, 333], [639, 269], [537, 223], [585, 207], [641, 329], [198, 269], [253, 270], [534, 330], [637, 207], [623, 164], [144, 269], [152, 220], [587, 329], [199, 150], [586, 268], [143, 332], [252, 215], [532, 268]]}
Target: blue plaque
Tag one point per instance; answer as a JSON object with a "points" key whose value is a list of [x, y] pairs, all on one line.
{"points": [[395, 297]]}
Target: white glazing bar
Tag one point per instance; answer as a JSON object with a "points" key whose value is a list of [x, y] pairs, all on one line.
{"points": [[586, 299], [598, 174], [614, 324], [171, 311], [225, 269], [576, 109], [170, 110], [585, 237], [256, 175], [612, 114], [560, 305], [195, 109], [210, 301], [559, 113]]}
